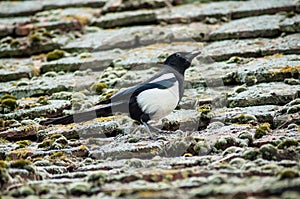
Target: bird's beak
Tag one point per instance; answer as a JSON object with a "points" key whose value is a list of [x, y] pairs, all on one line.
{"points": [[190, 56]]}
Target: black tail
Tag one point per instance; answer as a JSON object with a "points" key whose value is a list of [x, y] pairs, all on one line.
{"points": [[68, 119], [81, 116]]}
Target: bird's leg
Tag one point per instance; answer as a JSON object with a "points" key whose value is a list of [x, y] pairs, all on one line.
{"points": [[148, 130], [150, 134]]}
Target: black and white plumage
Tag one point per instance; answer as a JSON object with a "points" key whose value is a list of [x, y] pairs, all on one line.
{"points": [[150, 100]]}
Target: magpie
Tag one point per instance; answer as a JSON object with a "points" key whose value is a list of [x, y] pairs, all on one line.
{"points": [[151, 100]]}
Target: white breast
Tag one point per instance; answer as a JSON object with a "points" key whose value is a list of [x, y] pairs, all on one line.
{"points": [[159, 102]]}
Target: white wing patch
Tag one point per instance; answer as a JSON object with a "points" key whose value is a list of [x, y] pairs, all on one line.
{"points": [[159, 102], [163, 77]]}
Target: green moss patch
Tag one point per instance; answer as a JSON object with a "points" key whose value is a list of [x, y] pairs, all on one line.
{"points": [[262, 130], [20, 164], [8, 103], [288, 143], [23, 143], [98, 87], [57, 155], [55, 55]]}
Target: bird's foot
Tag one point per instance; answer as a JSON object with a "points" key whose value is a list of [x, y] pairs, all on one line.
{"points": [[153, 138], [160, 130], [161, 138], [150, 135]]}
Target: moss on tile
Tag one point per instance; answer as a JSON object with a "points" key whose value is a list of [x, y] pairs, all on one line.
{"points": [[288, 143], [262, 130], [21, 163], [23, 143], [98, 87], [55, 55], [57, 154]]}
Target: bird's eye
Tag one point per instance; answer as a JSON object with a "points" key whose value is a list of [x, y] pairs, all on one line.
{"points": [[177, 54]]}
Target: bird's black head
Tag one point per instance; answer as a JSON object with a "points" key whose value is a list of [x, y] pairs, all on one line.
{"points": [[181, 60]]}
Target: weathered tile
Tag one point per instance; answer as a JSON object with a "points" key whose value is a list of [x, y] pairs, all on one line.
{"points": [[288, 116], [8, 8], [273, 93], [249, 27], [97, 61], [123, 150], [263, 113], [211, 74], [13, 69], [193, 32], [269, 69], [181, 14], [54, 4], [116, 6], [23, 8], [257, 7], [272, 185], [150, 56], [135, 36], [188, 120], [239, 70], [20, 133], [223, 50], [51, 25], [291, 24], [14, 21], [26, 46], [8, 25], [103, 40], [111, 20], [61, 19], [232, 9], [6, 30], [41, 110], [48, 84]]}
